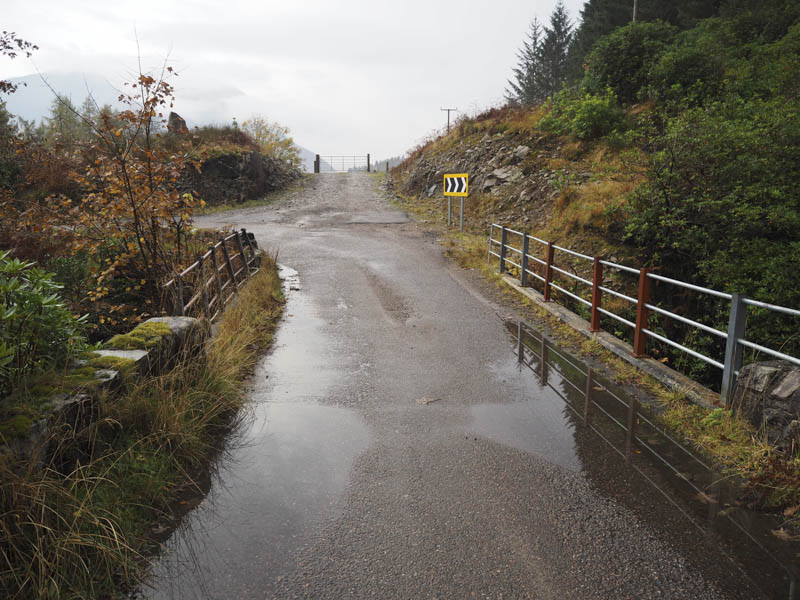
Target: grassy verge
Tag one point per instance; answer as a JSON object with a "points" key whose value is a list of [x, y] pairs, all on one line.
{"points": [[772, 479], [79, 524]]}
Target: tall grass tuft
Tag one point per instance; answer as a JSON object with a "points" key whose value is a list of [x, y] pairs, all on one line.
{"points": [[77, 516]]}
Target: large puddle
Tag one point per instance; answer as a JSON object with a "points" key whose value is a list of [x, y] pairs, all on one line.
{"points": [[283, 473], [621, 449]]}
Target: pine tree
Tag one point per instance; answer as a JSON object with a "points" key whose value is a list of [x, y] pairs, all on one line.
{"points": [[553, 50], [525, 88]]}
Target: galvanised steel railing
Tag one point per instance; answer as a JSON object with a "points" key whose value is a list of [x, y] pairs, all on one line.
{"points": [[544, 268]]}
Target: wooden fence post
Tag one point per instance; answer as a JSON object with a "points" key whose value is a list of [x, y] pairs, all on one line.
{"points": [[548, 270], [230, 267], [221, 300], [368, 165], [316, 164], [179, 308], [245, 264], [597, 294], [639, 336], [204, 290]]}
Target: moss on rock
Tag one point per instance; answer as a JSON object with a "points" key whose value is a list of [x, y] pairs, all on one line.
{"points": [[143, 337]]}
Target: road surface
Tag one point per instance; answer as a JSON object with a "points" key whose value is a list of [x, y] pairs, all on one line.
{"points": [[395, 450]]}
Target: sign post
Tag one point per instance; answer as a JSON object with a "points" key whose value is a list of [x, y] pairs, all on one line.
{"points": [[456, 184]]}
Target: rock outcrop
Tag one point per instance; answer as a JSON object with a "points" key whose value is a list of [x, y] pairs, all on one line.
{"points": [[768, 395], [236, 177], [175, 123], [497, 166]]}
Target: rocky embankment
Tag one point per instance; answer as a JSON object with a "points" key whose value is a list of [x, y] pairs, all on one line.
{"points": [[514, 174], [237, 177]]}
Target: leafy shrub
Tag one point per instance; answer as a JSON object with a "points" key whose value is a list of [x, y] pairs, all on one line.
{"points": [[621, 61], [689, 71], [36, 329], [720, 206], [585, 117]]}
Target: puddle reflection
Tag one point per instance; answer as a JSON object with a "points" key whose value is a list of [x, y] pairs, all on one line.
{"points": [[607, 422], [284, 472]]}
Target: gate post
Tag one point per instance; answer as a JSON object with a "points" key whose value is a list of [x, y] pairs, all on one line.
{"points": [[368, 165], [316, 164]]}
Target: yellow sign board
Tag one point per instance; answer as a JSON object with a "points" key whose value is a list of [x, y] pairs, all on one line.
{"points": [[456, 184]]}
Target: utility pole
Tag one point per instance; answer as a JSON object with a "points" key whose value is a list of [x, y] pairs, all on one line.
{"points": [[635, 6], [448, 110]]}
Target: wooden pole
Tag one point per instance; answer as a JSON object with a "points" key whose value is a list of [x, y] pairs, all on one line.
{"points": [[245, 265], [230, 268], [215, 266], [204, 290]]}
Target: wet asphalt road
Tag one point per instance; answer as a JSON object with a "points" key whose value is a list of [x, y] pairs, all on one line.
{"points": [[346, 484]]}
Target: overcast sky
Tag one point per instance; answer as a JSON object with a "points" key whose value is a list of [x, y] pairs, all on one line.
{"points": [[346, 77]]}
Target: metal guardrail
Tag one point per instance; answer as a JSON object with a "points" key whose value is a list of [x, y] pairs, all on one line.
{"points": [[544, 269], [215, 277]]}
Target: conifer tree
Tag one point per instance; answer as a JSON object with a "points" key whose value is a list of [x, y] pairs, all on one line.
{"points": [[525, 88], [553, 50]]}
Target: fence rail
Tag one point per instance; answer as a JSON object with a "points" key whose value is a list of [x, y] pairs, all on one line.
{"points": [[542, 269], [210, 282]]}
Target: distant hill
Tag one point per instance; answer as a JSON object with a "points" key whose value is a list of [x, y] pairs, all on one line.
{"points": [[33, 98], [32, 101]]}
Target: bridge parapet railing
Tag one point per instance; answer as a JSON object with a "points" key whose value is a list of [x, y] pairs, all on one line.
{"points": [[208, 284], [584, 281]]}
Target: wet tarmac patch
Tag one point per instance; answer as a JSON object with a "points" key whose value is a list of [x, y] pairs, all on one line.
{"points": [[284, 473]]}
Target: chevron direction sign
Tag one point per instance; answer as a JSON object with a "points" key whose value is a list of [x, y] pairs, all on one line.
{"points": [[456, 184]]}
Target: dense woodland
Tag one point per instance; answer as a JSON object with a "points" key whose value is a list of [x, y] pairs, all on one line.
{"points": [[707, 92]]}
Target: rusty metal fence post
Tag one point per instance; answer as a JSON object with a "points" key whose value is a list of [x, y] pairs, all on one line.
{"points": [[639, 335], [597, 294], [548, 270]]}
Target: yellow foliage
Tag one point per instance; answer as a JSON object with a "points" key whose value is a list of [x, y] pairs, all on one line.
{"points": [[273, 139]]}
